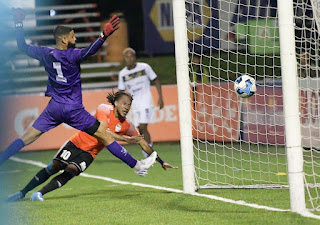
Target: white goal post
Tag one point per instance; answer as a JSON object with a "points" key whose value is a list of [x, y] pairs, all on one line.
{"points": [[291, 105], [181, 49], [272, 139]]}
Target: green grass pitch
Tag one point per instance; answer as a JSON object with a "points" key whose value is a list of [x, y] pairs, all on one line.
{"points": [[92, 201]]}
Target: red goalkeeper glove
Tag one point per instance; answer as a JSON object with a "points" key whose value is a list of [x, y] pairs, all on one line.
{"points": [[18, 16], [111, 27]]}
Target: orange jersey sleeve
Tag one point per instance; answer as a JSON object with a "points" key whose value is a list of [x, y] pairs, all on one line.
{"points": [[103, 112]]}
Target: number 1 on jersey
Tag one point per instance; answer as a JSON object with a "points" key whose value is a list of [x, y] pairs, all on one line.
{"points": [[59, 76]]}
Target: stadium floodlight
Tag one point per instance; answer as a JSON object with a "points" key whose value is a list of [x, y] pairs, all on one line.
{"points": [[271, 139]]}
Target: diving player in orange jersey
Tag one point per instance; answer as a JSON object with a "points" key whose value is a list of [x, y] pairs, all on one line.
{"points": [[81, 149]]}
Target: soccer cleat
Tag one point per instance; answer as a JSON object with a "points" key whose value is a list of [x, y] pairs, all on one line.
{"points": [[145, 164], [36, 196], [15, 197]]}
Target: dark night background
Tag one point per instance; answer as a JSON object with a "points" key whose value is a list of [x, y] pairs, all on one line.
{"points": [[132, 10]]}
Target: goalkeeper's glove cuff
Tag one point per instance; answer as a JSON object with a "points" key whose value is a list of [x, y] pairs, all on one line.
{"points": [[102, 36], [18, 25]]}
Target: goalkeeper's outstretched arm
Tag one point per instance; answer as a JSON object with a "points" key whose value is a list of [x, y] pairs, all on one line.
{"points": [[110, 27], [18, 17]]}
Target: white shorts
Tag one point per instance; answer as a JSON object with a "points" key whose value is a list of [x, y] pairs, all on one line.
{"points": [[143, 116]]}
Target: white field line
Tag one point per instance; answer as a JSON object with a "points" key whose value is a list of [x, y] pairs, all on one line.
{"points": [[10, 171], [239, 202]]}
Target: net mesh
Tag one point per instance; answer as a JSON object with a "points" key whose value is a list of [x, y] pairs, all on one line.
{"points": [[307, 46], [239, 143]]}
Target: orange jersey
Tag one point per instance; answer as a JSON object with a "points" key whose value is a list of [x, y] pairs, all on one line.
{"points": [[105, 113]]}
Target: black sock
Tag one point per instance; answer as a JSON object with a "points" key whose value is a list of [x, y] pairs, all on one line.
{"points": [[38, 179], [58, 181]]}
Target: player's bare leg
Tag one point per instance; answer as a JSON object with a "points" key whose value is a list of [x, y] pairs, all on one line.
{"points": [[56, 166], [102, 134], [143, 129], [31, 135]]}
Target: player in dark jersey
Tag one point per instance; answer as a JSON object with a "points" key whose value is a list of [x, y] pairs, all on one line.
{"points": [[62, 65]]}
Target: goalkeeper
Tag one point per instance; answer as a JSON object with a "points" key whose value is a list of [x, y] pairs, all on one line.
{"points": [[80, 150], [64, 88]]}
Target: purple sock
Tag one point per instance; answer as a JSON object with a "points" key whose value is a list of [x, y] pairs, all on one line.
{"points": [[121, 153], [15, 146]]}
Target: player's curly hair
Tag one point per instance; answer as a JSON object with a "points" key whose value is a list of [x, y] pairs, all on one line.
{"points": [[113, 97]]}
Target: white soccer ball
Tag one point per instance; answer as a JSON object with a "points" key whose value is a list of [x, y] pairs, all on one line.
{"points": [[245, 86]]}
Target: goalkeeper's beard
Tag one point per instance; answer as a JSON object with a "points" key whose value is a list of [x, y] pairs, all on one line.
{"points": [[71, 45]]}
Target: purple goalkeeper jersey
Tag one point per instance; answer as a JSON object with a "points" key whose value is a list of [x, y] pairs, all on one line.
{"points": [[62, 67]]}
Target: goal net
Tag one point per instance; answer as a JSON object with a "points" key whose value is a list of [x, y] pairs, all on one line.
{"points": [[307, 19], [237, 142]]}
